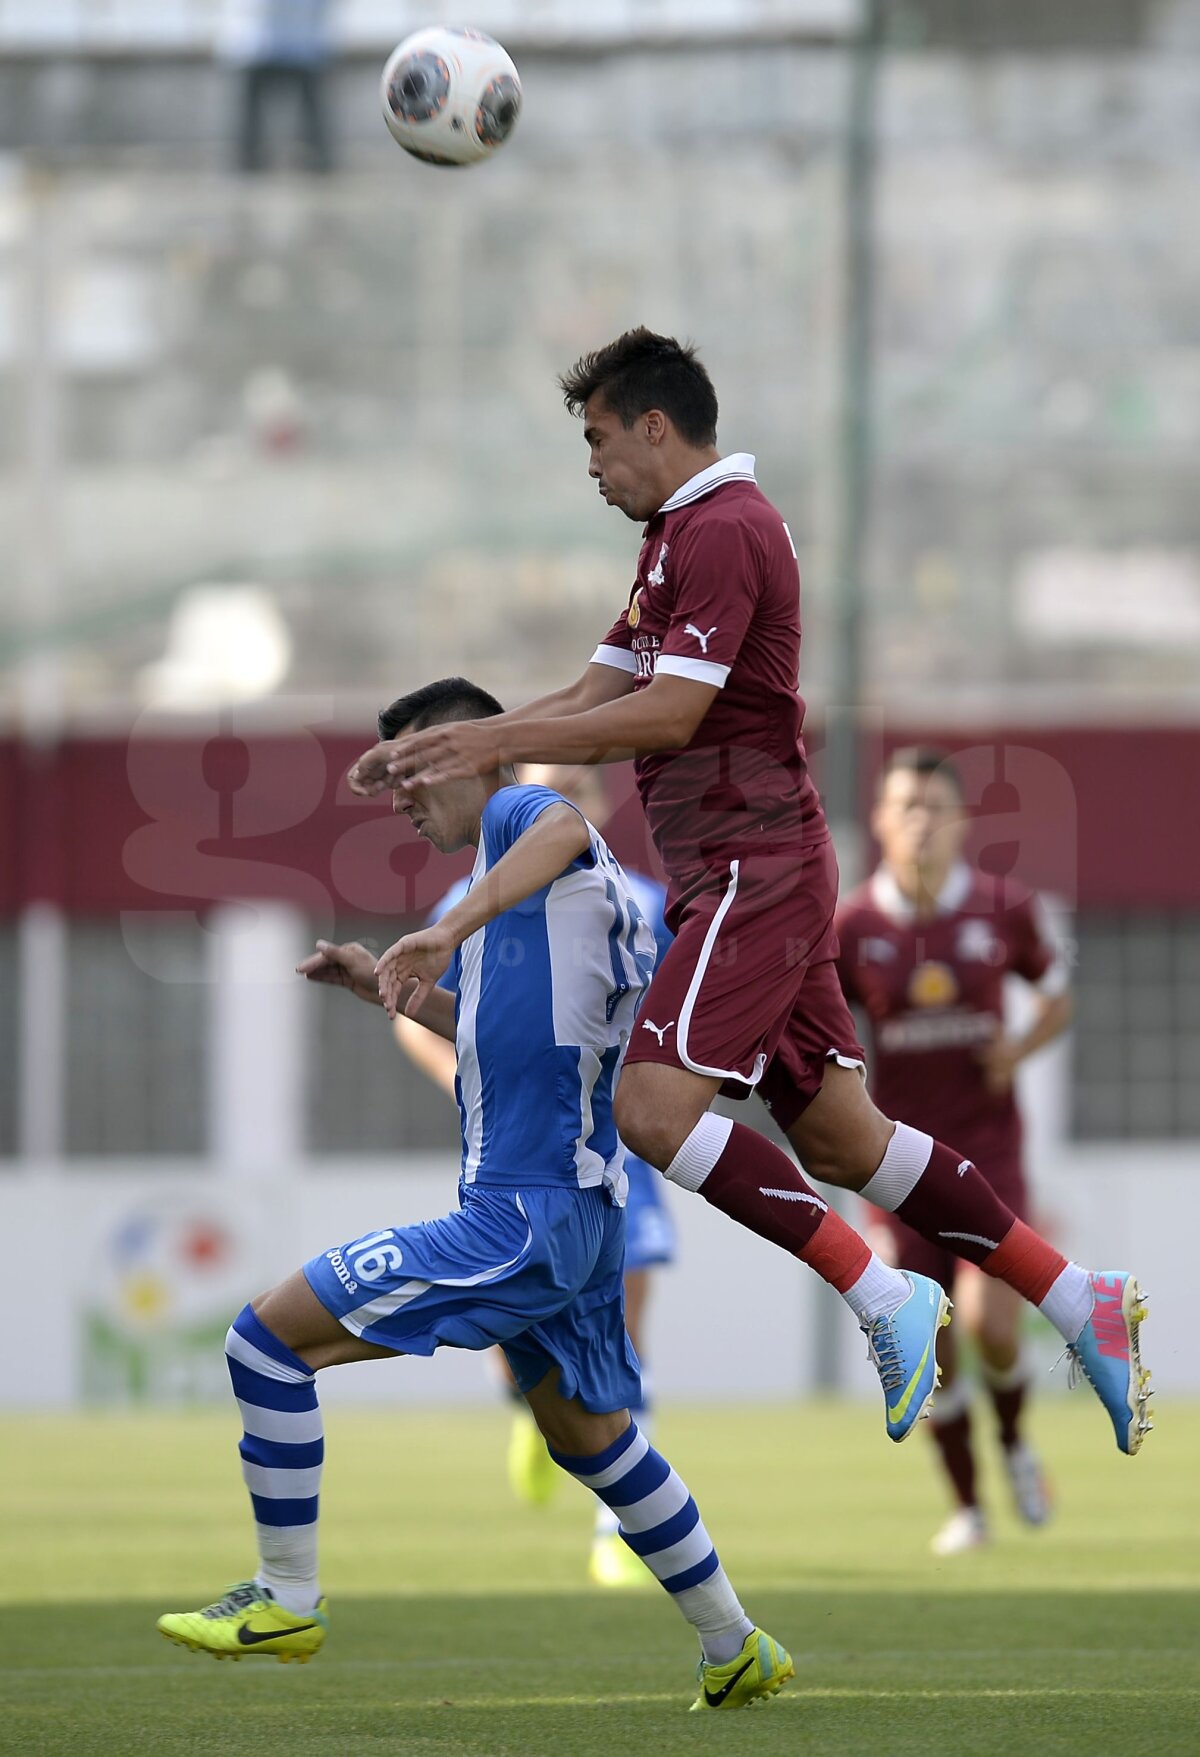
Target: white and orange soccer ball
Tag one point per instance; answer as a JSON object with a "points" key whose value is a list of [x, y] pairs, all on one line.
{"points": [[450, 97]]}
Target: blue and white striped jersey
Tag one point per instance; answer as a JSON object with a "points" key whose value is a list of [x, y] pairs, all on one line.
{"points": [[545, 1000]]}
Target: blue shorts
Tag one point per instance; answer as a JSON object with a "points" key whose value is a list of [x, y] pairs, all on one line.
{"points": [[537, 1271], [649, 1228]]}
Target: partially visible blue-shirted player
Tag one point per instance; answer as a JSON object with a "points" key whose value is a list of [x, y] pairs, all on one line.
{"points": [[546, 959], [649, 1227]]}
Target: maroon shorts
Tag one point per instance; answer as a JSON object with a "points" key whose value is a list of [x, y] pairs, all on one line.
{"points": [[921, 1257], [748, 993]]}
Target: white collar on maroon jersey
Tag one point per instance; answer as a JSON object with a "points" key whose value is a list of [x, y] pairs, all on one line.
{"points": [[889, 899], [737, 467]]}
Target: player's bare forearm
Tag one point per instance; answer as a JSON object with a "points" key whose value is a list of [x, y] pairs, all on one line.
{"points": [[474, 744], [538, 856], [436, 1014], [1050, 1021], [556, 838], [662, 717], [434, 1057], [1002, 1056], [599, 684]]}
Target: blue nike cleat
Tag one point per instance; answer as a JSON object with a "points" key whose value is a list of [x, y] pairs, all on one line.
{"points": [[901, 1349], [1108, 1354]]}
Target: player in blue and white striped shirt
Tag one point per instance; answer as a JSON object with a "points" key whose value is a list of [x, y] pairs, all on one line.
{"points": [[649, 1226], [538, 972]]}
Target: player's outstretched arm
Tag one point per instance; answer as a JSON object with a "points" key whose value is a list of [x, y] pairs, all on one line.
{"points": [[661, 717], [539, 855], [1002, 1056], [599, 684], [352, 966]]}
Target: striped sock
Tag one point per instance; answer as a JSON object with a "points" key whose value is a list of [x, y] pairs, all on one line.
{"points": [[607, 1522], [661, 1523], [282, 1450]]}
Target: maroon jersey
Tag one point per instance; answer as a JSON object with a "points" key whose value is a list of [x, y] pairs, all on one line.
{"points": [[717, 598], [933, 993]]}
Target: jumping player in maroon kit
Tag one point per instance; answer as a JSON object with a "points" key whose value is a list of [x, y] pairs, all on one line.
{"points": [[697, 679], [926, 945]]}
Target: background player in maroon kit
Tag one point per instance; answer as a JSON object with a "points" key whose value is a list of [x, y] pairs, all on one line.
{"points": [[926, 944], [697, 679]]}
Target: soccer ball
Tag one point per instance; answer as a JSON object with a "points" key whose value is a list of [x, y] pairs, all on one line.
{"points": [[450, 97]]}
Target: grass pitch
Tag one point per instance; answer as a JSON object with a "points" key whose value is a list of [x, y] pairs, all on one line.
{"points": [[461, 1627]]}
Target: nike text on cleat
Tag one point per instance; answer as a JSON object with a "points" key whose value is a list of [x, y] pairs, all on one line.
{"points": [[753, 1675], [1107, 1352], [902, 1349], [248, 1620]]}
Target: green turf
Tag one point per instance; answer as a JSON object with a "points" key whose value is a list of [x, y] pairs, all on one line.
{"points": [[461, 1629]]}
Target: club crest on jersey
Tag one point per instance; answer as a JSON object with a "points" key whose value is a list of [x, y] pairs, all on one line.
{"points": [[655, 577], [976, 943], [932, 985], [875, 950], [634, 614]]}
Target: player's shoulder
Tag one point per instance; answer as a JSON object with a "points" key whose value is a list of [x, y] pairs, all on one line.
{"points": [[510, 811], [736, 504], [517, 800]]}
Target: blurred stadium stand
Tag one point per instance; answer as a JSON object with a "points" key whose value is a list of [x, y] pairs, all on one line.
{"points": [[271, 451]]}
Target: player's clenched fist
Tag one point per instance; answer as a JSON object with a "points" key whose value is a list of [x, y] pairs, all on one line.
{"points": [[423, 957]]}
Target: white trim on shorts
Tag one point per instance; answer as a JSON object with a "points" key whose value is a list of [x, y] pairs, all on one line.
{"points": [[685, 1012], [385, 1305]]}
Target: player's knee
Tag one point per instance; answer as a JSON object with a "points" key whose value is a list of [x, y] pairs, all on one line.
{"points": [[840, 1163], [998, 1344], [647, 1135]]}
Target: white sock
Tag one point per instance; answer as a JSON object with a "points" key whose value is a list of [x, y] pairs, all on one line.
{"points": [[700, 1152], [1068, 1305], [720, 1645], [900, 1170], [878, 1292]]}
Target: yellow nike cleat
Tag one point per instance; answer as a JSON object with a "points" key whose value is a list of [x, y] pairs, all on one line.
{"points": [[613, 1563], [248, 1621], [532, 1473], [752, 1676]]}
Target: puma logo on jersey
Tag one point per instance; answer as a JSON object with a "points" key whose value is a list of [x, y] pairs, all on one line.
{"points": [[964, 1166], [655, 578], [660, 1031], [690, 628]]}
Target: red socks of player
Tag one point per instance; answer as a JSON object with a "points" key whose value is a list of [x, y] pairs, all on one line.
{"points": [[743, 1175]]}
